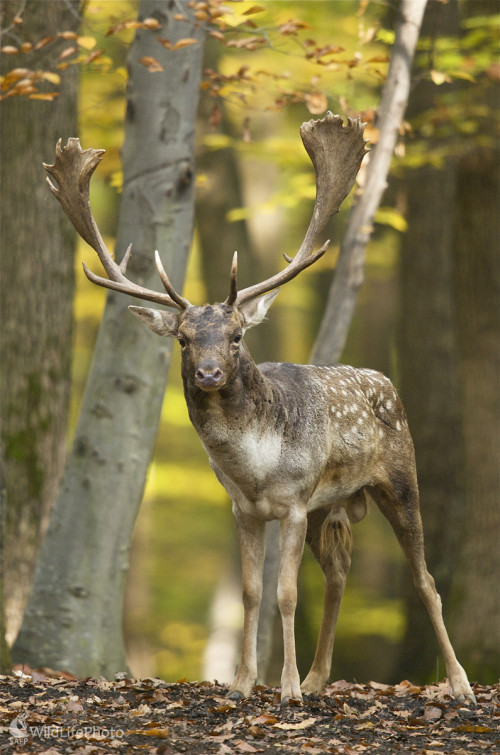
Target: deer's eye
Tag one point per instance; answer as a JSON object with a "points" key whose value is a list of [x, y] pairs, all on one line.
{"points": [[182, 342], [237, 338]]}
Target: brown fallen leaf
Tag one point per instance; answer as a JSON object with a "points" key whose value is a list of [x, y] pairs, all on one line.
{"points": [[432, 713], [265, 718], [381, 688], [243, 746], [152, 732], [151, 64], [293, 727]]}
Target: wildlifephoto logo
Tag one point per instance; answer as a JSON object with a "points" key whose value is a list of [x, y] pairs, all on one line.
{"points": [[20, 731]]}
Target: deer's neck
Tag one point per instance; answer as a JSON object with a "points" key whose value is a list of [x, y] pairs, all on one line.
{"points": [[217, 415]]}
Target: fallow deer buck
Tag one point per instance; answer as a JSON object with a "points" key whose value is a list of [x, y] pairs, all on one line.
{"points": [[303, 444]]}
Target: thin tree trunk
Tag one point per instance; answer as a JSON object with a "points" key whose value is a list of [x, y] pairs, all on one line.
{"points": [[36, 305], [349, 272], [223, 192], [74, 614]]}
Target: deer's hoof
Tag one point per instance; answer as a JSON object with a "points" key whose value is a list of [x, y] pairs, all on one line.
{"points": [[291, 701], [468, 697]]}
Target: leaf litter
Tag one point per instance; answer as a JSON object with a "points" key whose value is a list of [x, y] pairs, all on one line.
{"points": [[50, 713]]}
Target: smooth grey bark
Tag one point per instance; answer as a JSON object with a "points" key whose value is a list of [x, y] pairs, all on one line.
{"points": [[74, 615], [36, 306], [349, 273]]}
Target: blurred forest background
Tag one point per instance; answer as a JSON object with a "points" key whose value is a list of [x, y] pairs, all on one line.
{"points": [[427, 314]]}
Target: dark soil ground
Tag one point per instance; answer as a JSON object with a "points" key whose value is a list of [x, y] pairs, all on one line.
{"points": [[45, 713]]}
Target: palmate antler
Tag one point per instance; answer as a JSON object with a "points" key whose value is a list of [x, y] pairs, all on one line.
{"points": [[73, 169], [336, 152]]}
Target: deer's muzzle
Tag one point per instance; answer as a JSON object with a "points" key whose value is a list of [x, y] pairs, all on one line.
{"points": [[209, 376]]}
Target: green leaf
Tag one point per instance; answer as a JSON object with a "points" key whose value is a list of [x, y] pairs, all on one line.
{"points": [[390, 216]]}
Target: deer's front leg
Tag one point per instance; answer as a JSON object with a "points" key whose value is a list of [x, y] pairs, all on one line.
{"points": [[292, 539], [251, 533]]}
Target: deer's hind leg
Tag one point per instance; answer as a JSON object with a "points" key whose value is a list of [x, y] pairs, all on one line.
{"points": [[399, 502], [334, 557]]}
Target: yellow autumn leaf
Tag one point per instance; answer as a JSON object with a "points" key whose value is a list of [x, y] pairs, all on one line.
{"points": [[48, 96], [151, 23], [54, 78], [391, 217], [439, 77], [88, 43]]}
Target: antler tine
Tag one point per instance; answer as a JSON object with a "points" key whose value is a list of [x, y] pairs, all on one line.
{"points": [[233, 291], [132, 289], [126, 257], [289, 273], [336, 151], [179, 300], [73, 169]]}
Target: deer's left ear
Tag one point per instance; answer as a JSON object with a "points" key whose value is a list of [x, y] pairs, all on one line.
{"points": [[160, 322], [255, 310]]}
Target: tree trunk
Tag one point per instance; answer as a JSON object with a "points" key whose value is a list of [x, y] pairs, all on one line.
{"points": [[475, 603], [74, 614], [430, 392], [222, 192], [450, 381], [429, 369], [36, 306], [5, 662]]}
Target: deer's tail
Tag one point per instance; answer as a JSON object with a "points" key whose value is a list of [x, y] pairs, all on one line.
{"points": [[336, 532]]}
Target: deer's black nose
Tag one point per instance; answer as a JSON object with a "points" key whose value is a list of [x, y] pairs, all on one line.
{"points": [[209, 376]]}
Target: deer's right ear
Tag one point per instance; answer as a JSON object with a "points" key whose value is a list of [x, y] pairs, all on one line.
{"points": [[160, 322]]}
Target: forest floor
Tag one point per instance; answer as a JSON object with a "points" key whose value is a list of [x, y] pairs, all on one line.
{"points": [[43, 712]]}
